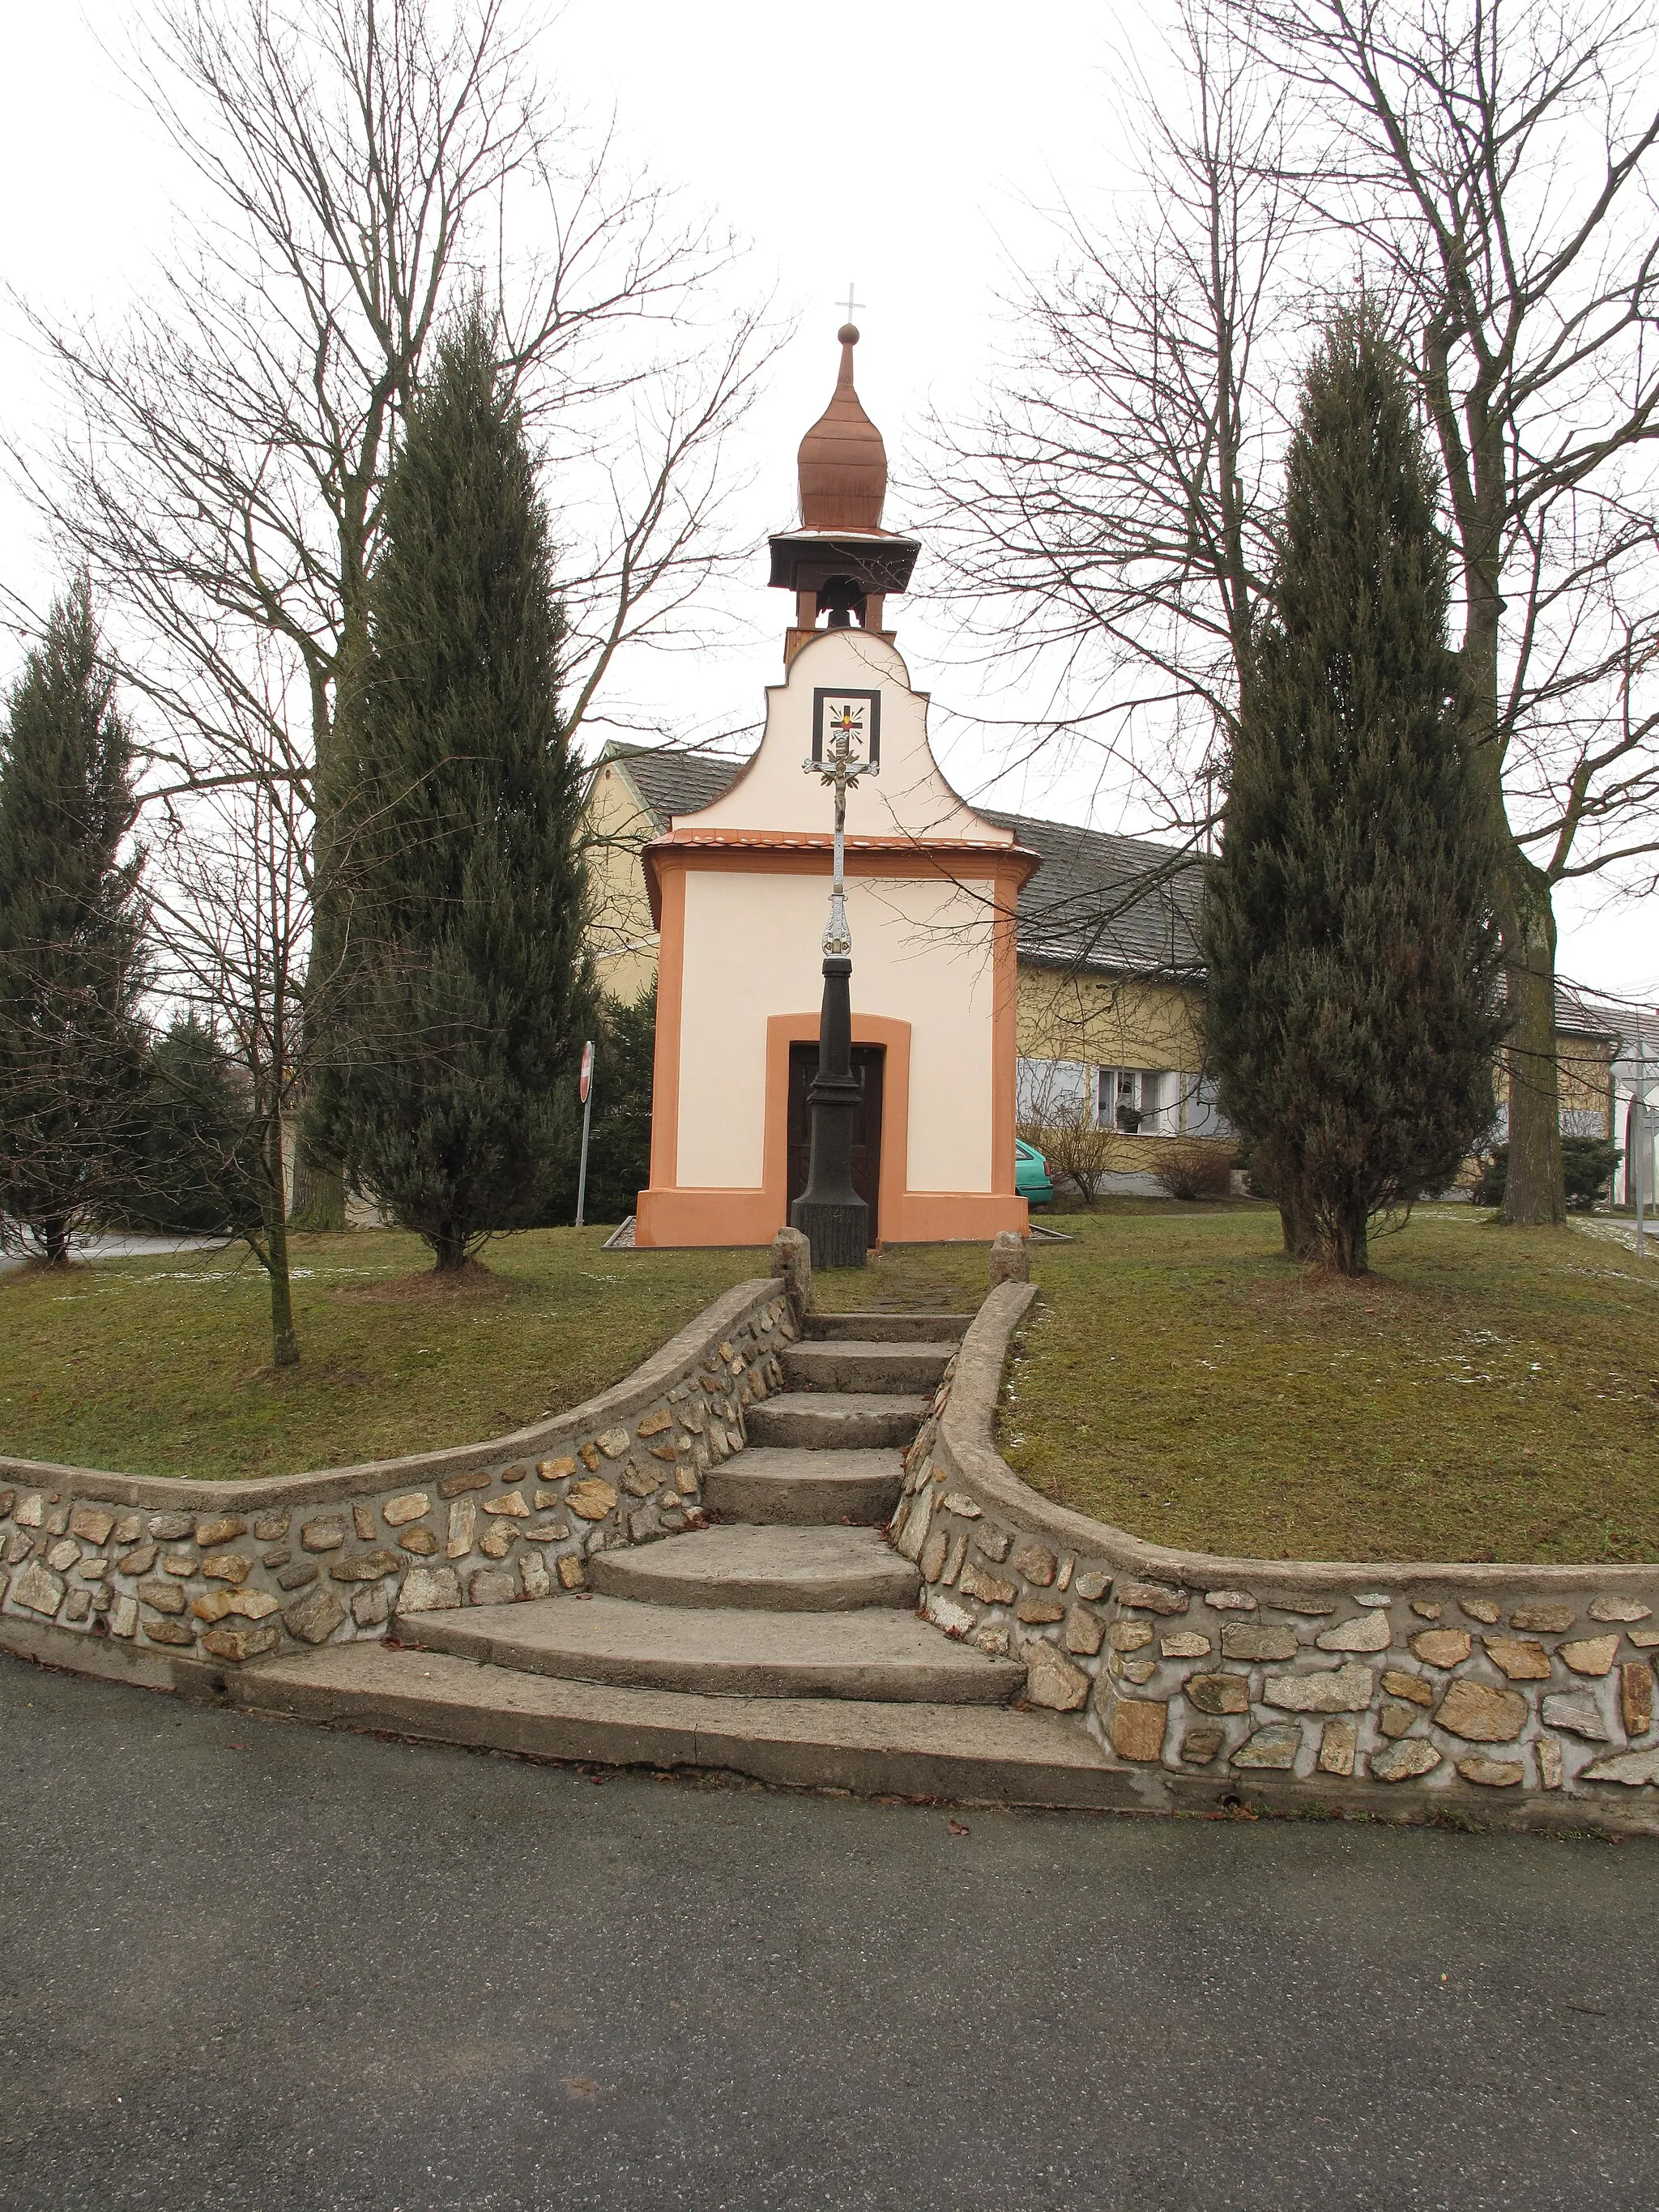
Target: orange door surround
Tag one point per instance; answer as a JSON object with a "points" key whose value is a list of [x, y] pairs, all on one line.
{"points": [[702, 1215]]}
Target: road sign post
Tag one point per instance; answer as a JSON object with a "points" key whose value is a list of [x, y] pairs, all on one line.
{"points": [[585, 1092]]}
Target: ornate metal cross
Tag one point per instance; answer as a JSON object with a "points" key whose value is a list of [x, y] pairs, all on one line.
{"points": [[839, 772]]}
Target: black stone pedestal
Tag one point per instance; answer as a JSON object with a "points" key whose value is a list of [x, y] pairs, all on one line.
{"points": [[829, 1213]]}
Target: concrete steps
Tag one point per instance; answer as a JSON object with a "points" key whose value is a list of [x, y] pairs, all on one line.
{"points": [[797, 1489], [962, 1754], [885, 1327], [856, 1420], [781, 1643], [876, 1655], [843, 1363], [777, 1569]]}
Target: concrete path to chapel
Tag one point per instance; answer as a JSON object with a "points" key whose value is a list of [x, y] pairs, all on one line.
{"points": [[247, 1962]]}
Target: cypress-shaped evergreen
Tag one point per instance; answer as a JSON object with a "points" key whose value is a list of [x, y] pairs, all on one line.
{"points": [[1348, 933], [72, 969], [465, 983]]}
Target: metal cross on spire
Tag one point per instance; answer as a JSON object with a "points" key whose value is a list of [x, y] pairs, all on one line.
{"points": [[851, 302]]}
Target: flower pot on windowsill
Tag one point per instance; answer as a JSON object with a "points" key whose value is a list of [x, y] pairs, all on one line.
{"points": [[1128, 1121]]}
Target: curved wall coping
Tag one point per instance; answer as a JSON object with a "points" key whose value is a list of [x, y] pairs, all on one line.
{"points": [[186, 1493], [966, 1429]]}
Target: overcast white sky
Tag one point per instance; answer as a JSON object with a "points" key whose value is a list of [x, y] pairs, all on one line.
{"points": [[899, 147]]}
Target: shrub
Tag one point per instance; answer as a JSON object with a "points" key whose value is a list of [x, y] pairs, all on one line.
{"points": [[1195, 1171], [1586, 1165], [1077, 1152]]}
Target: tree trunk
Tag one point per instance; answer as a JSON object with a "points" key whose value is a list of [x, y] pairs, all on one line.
{"points": [[1347, 1250], [1521, 896], [319, 1182], [284, 1342], [1534, 1191], [54, 1234], [1301, 1234]]}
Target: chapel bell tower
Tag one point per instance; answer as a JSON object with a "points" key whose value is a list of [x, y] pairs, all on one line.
{"points": [[841, 563]]}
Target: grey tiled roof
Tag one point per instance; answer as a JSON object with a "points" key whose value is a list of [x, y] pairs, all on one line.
{"points": [[1586, 1012], [674, 782], [1111, 905], [1116, 904]]}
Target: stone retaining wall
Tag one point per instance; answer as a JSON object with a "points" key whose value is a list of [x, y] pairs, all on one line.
{"points": [[1443, 1684], [217, 1573]]}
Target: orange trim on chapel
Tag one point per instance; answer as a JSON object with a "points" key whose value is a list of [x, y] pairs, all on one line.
{"points": [[1008, 866], [666, 1059], [668, 1215]]}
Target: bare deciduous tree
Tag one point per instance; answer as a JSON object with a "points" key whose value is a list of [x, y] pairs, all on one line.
{"points": [[236, 919], [1492, 163], [362, 165], [1486, 167], [1106, 526]]}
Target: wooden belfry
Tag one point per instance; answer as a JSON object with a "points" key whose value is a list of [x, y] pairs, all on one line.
{"points": [[841, 563]]}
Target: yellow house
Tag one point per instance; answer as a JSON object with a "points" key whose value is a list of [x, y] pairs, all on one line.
{"points": [[1109, 1019]]}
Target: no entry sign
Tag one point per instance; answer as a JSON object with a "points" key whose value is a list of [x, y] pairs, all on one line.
{"points": [[585, 1081]]}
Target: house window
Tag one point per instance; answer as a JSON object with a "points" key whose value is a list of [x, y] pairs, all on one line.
{"points": [[1117, 1099], [1135, 1100], [1583, 1120], [1048, 1092], [1204, 1116]]}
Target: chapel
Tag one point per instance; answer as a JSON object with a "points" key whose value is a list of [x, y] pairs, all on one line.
{"points": [[738, 890]]}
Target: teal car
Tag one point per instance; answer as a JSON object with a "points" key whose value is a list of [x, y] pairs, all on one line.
{"points": [[1031, 1175]]}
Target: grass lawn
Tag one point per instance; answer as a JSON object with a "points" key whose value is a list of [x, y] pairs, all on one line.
{"points": [[162, 1366], [1488, 1394], [908, 1279]]}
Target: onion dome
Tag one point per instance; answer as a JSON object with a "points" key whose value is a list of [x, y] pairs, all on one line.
{"points": [[843, 462]]}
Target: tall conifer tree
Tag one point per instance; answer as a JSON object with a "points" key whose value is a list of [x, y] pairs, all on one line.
{"points": [[1348, 928], [72, 969], [465, 982]]}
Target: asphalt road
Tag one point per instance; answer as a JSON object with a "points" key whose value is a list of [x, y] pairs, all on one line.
{"points": [[248, 1964]]}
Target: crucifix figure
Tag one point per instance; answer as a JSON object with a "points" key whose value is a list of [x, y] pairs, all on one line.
{"points": [[829, 1213], [839, 774]]}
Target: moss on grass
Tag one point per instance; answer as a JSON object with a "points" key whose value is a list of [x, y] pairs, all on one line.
{"points": [[1487, 1393], [162, 1366]]}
